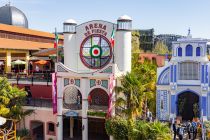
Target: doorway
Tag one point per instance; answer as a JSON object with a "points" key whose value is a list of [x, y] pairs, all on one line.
{"points": [[37, 130], [188, 105]]}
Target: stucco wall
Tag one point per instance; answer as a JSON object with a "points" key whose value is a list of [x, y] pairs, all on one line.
{"points": [[43, 115]]}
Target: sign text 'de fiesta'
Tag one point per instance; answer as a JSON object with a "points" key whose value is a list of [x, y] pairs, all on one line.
{"points": [[95, 28]]}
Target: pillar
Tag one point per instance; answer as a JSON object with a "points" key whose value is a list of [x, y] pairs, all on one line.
{"points": [[27, 61], [59, 108], [8, 62], [71, 127], [84, 87]]}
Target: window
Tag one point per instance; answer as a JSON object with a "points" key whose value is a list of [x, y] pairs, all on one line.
{"points": [[96, 51], [51, 128], [189, 71], [189, 50], [179, 51], [198, 51]]}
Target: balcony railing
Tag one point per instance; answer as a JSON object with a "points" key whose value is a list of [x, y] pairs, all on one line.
{"points": [[48, 104], [39, 103], [30, 78]]}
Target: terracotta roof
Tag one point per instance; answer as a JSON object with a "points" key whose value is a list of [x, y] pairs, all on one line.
{"points": [[15, 29], [46, 52], [21, 44]]}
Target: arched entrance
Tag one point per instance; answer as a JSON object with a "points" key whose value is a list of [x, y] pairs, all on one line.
{"points": [[37, 130], [72, 98], [99, 103], [99, 97], [188, 105]]}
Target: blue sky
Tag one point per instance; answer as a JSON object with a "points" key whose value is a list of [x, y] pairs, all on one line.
{"points": [[165, 16]]}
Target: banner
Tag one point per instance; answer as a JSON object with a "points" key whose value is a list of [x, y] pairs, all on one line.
{"points": [[111, 94], [54, 93]]}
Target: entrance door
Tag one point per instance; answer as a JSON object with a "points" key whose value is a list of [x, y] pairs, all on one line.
{"points": [[37, 129], [188, 105]]}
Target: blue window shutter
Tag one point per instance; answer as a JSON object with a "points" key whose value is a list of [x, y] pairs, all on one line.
{"points": [[198, 51], [179, 51], [189, 50]]}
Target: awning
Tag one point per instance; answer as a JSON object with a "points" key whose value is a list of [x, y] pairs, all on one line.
{"points": [[47, 52], [71, 114], [2, 120], [39, 58]]}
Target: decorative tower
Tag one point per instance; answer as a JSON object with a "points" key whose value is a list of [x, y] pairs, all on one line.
{"points": [[123, 43], [69, 31]]}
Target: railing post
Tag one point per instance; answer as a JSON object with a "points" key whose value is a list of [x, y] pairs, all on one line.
{"points": [[47, 78], [17, 78], [32, 79]]}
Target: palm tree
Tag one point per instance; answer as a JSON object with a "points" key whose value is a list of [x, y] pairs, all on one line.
{"points": [[129, 96]]}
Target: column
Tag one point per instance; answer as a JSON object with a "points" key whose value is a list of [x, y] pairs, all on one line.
{"points": [[59, 108], [204, 107], [27, 60], [85, 89], [8, 62], [71, 127]]}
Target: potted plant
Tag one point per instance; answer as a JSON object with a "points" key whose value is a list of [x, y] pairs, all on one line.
{"points": [[181, 103], [196, 111]]}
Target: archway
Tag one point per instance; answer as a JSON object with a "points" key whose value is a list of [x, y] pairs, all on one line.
{"points": [[99, 97], [99, 103], [188, 105], [72, 98], [37, 130]]}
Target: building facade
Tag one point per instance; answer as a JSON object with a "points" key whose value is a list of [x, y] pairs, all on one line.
{"points": [[183, 83], [92, 65]]}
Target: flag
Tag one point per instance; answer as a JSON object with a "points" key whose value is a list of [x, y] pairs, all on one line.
{"points": [[56, 39], [111, 95], [54, 93], [112, 37]]}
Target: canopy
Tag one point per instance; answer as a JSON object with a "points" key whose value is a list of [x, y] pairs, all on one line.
{"points": [[41, 62], [2, 120], [18, 62]]}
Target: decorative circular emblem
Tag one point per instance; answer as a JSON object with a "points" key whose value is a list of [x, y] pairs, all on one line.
{"points": [[95, 51]]}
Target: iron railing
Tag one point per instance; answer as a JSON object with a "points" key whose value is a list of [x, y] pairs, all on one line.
{"points": [[31, 78]]}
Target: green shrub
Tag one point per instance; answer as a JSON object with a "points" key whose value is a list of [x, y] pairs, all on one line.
{"points": [[118, 128], [159, 131], [98, 114], [23, 132], [122, 129]]}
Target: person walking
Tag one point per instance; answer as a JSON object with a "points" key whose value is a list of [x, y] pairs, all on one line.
{"points": [[78, 102], [29, 96], [189, 128], [174, 129], [194, 128], [180, 132]]}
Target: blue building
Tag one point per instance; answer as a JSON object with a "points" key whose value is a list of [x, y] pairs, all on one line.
{"points": [[183, 83]]}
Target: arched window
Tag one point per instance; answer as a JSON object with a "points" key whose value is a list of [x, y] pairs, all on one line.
{"points": [[179, 51], [198, 51], [189, 50]]}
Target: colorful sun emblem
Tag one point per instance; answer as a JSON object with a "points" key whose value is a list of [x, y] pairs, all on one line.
{"points": [[95, 51]]}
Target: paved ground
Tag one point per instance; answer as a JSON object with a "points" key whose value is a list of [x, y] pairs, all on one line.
{"points": [[186, 137]]}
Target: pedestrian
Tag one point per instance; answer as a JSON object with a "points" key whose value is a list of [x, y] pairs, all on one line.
{"points": [[180, 132], [149, 115], [78, 101], [174, 129], [194, 128], [29, 96], [89, 100], [189, 129]]}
